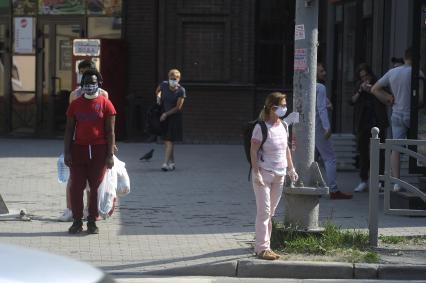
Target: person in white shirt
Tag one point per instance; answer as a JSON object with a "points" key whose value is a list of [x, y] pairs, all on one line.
{"points": [[270, 161], [399, 81], [323, 134]]}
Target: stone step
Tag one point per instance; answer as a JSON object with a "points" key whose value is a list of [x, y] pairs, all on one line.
{"points": [[406, 200]]}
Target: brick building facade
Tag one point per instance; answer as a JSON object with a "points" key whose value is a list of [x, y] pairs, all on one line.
{"points": [[214, 44]]}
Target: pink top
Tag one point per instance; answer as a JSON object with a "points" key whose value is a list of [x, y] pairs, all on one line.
{"points": [[274, 150]]}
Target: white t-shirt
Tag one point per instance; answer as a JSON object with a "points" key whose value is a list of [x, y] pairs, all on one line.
{"points": [[274, 150], [399, 81]]}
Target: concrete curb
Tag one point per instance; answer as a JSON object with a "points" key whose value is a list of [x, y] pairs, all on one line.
{"points": [[295, 269], [365, 271], [255, 268], [227, 269], [329, 270], [402, 272]]}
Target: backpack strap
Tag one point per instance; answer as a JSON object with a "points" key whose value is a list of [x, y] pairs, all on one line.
{"points": [[264, 130]]}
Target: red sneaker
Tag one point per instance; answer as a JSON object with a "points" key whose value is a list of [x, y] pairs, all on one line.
{"points": [[340, 195]]}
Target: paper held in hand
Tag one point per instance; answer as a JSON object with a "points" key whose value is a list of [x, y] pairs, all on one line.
{"points": [[292, 118]]}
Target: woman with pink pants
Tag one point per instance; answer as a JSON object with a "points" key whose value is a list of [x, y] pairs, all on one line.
{"points": [[270, 163]]}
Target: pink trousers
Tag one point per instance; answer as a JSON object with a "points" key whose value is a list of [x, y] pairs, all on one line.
{"points": [[267, 199]]}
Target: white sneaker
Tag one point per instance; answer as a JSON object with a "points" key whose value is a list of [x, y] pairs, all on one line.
{"points": [[66, 216], [172, 166], [165, 167], [363, 186], [396, 188]]}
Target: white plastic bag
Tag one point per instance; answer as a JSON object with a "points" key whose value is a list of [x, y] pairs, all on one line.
{"points": [[107, 193], [63, 170], [123, 180]]}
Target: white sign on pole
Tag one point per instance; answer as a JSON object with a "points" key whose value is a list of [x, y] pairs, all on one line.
{"points": [[86, 47], [299, 32], [23, 35]]}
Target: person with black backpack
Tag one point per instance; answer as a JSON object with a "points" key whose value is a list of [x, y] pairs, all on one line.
{"points": [[271, 161]]}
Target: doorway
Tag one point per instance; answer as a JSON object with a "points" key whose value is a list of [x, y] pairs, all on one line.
{"points": [[352, 46], [54, 71]]}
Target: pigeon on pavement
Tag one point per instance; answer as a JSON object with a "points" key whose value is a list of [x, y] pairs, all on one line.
{"points": [[147, 156]]}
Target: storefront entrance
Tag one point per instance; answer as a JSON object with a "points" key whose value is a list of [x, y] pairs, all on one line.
{"points": [[54, 71], [36, 61]]}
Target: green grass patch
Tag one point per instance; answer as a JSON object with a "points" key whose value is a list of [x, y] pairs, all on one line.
{"points": [[371, 257], [406, 240], [392, 239], [347, 245]]}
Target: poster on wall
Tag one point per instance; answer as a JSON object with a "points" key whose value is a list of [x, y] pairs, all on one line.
{"points": [[23, 35], [104, 7], [61, 7]]}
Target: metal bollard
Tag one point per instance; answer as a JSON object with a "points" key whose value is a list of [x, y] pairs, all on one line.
{"points": [[373, 203]]}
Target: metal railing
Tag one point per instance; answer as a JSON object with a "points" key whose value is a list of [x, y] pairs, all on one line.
{"points": [[389, 145]]}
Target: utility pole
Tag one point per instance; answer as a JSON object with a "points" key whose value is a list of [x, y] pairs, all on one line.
{"points": [[304, 86], [301, 202]]}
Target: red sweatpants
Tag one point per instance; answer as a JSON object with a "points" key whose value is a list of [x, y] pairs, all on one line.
{"points": [[88, 164]]}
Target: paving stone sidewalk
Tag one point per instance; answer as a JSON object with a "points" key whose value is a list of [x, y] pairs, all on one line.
{"points": [[203, 212]]}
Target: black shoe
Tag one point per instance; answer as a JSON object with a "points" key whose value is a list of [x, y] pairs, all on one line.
{"points": [[92, 228], [76, 227]]}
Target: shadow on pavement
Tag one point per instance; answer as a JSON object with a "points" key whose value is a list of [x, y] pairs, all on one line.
{"points": [[37, 234], [237, 253]]}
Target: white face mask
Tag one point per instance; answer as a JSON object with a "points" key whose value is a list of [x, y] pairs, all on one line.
{"points": [[280, 111], [173, 83]]}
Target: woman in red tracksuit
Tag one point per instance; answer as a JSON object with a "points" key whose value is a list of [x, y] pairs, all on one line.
{"points": [[91, 118]]}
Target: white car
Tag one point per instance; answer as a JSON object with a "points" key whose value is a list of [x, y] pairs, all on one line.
{"points": [[23, 265]]}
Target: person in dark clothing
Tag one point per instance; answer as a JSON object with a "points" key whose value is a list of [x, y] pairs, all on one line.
{"points": [[171, 95], [368, 112]]}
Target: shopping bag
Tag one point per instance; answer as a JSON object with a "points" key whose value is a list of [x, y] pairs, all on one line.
{"points": [[107, 193], [123, 180], [63, 170]]}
